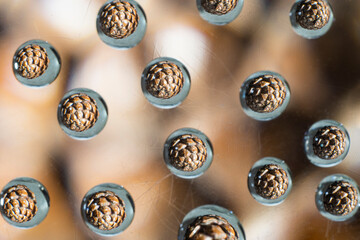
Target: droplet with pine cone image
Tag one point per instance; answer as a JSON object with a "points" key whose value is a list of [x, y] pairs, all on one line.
{"points": [[326, 143], [82, 113], [311, 18], [36, 63], [210, 222], [24, 202], [264, 95], [165, 82], [219, 12], [337, 197], [121, 24], [107, 209], [269, 181], [188, 153]]}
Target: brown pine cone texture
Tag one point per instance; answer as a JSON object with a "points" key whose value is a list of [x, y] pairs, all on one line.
{"points": [[32, 61], [187, 152], [265, 94], [340, 198], [79, 112], [164, 80], [105, 210], [210, 227], [19, 204], [271, 181], [119, 19], [313, 14], [329, 142], [218, 7]]}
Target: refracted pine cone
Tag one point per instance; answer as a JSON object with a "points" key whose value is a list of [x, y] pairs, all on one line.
{"points": [[313, 14], [340, 198], [187, 152], [119, 19], [79, 112], [271, 181], [210, 227], [164, 80], [329, 142], [218, 7], [19, 204], [32, 61], [105, 210], [265, 94]]}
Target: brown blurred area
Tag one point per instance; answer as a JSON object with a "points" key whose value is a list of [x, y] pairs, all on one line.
{"points": [[323, 74]]}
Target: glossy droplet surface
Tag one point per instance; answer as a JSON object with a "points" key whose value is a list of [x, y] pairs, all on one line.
{"points": [[165, 82], [326, 143], [270, 181], [219, 12], [107, 209], [188, 153], [210, 222], [311, 18], [121, 24], [337, 197], [82, 113], [36, 63], [24, 202]]}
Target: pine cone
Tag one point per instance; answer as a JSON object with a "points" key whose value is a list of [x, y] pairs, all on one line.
{"points": [[79, 112], [32, 60], [329, 142], [105, 210], [118, 19], [19, 204], [313, 14], [187, 152], [265, 93], [340, 198], [210, 227], [164, 80], [218, 7], [271, 181]]}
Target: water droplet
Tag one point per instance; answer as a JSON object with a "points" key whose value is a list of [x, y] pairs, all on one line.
{"points": [[267, 172], [125, 198], [36, 63], [36, 193], [331, 154], [130, 29], [324, 193], [165, 82], [194, 136], [264, 95], [306, 24], [217, 15], [82, 113]]}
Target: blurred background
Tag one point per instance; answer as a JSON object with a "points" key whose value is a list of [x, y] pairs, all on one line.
{"points": [[323, 74]]}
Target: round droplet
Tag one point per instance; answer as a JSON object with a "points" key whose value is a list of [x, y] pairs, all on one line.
{"points": [[210, 221], [121, 24], [264, 95], [326, 143], [36, 63], [107, 209], [337, 197], [269, 181], [82, 113], [165, 82], [188, 153], [311, 18], [24, 202], [219, 12]]}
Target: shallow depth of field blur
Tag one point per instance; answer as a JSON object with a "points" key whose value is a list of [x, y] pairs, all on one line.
{"points": [[323, 74]]}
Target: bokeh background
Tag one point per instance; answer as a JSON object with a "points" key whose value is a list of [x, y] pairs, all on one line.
{"points": [[324, 76]]}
